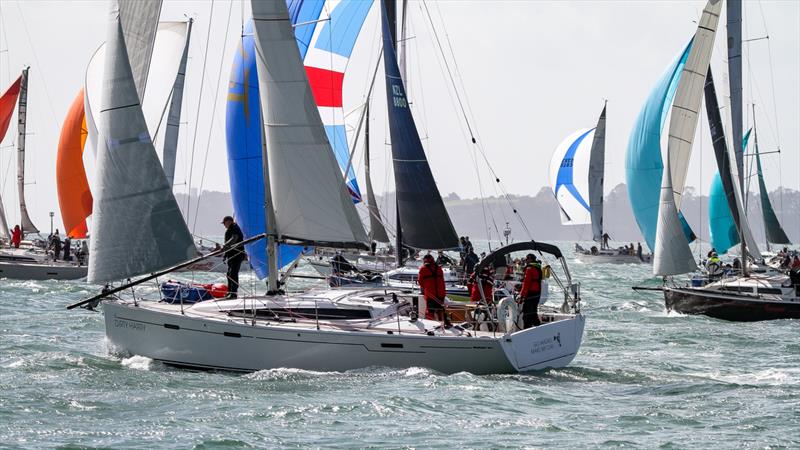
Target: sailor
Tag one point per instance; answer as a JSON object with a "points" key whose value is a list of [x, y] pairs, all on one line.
{"points": [[470, 261], [67, 248], [639, 251], [485, 281], [233, 256], [16, 236], [431, 283], [468, 246], [605, 237], [373, 247], [442, 259], [55, 245], [713, 265], [531, 292]]}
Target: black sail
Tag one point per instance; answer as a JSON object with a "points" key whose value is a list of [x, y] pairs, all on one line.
{"points": [[772, 227], [423, 218]]}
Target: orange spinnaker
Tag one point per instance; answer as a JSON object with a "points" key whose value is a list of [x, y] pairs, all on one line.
{"points": [[7, 103], [74, 196]]}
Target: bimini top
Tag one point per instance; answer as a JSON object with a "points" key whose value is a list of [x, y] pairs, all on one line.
{"points": [[499, 255]]}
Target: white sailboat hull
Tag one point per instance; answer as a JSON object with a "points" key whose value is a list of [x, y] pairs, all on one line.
{"points": [[42, 271], [163, 334]]}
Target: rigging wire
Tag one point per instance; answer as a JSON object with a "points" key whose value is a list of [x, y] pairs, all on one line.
{"points": [[197, 115]]}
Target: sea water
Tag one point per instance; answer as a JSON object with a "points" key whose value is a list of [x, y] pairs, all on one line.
{"points": [[643, 378]]}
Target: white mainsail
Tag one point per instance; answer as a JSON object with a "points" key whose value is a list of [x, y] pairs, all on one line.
{"points": [[137, 227], [672, 253], [308, 191], [174, 115], [686, 106]]}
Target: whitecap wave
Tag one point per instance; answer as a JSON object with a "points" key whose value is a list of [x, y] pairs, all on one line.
{"points": [[137, 362]]}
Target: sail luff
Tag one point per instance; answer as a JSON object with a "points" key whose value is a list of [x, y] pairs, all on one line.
{"points": [[376, 229], [596, 175], [686, 106], [174, 115], [133, 201], [22, 118], [309, 193], [424, 219]]}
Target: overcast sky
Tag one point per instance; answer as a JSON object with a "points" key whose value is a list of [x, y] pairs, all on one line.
{"points": [[532, 72]]}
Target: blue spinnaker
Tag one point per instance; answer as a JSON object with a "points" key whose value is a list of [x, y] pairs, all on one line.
{"points": [[721, 226], [643, 163]]}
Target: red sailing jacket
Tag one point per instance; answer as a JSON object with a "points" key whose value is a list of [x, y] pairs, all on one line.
{"points": [[532, 284], [431, 281]]}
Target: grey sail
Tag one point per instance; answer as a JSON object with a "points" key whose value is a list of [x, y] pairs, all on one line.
{"points": [[137, 227], [174, 115], [672, 255], [596, 174], [734, 11], [308, 192], [139, 25], [423, 219], [22, 117], [377, 231]]}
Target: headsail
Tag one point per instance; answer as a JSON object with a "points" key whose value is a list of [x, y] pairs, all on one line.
{"points": [[244, 144], [672, 255], [7, 102], [74, 196], [133, 201], [309, 194], [376, 230], [572, 192], [643, 163], [423, 219], [22, 117], [722, 229], [174, 115], [596, 175]]}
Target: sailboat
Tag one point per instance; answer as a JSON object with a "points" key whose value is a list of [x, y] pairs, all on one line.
{"points": [[28, 262], [741, 298], [580, 198], [311, 206]]}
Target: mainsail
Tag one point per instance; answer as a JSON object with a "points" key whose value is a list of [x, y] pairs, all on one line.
{"points": [[74, 196], [772, 227], [596, 176], [133, 200], [423, 219], [643, 163], [7, 102], [172, 132], [309, 195], [22, 117]]}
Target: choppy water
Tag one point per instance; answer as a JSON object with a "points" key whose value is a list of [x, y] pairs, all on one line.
{"points": [[643, 378]]}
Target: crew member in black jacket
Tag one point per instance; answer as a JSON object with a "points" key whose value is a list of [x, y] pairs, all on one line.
{"points": [[233, 256]]}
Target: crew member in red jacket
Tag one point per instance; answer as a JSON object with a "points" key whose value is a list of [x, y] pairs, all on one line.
{"points": [[431, 283], [16, 236], [486, 278], [531, 292]]}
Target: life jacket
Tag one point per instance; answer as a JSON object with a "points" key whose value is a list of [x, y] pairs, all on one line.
{"points": [[431, 281], [475, 282], [532, 283]]}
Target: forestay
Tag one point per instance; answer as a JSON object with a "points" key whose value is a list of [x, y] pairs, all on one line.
{"points": [[424, 221], [309, 195], [137, 227]]}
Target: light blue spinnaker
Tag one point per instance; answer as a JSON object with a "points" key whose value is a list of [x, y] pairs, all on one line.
{"points": [[721, 226], [643, 163]]}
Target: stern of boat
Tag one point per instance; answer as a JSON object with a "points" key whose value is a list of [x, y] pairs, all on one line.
{"points": [[550, 345]]}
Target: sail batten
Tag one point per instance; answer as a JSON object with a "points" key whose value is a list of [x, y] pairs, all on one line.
{"points": [[133, 200], [309, 194], [423, 219]]}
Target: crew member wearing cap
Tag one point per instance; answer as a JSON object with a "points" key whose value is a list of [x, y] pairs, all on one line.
{"points": [[431, 283], [531, 292], [233, 256]]}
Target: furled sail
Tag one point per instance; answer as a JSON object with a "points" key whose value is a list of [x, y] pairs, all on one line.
{"points": [[596, 176], [22, 118], [139, 23], [7, 102], [572, 193], [672, 255], [74, 196], [244, 145], [686, 106], [309, 194], [643, 163], [377, 232], [171, 134], [133, 201], [422, 216], [772, 227], [326, 56]]}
